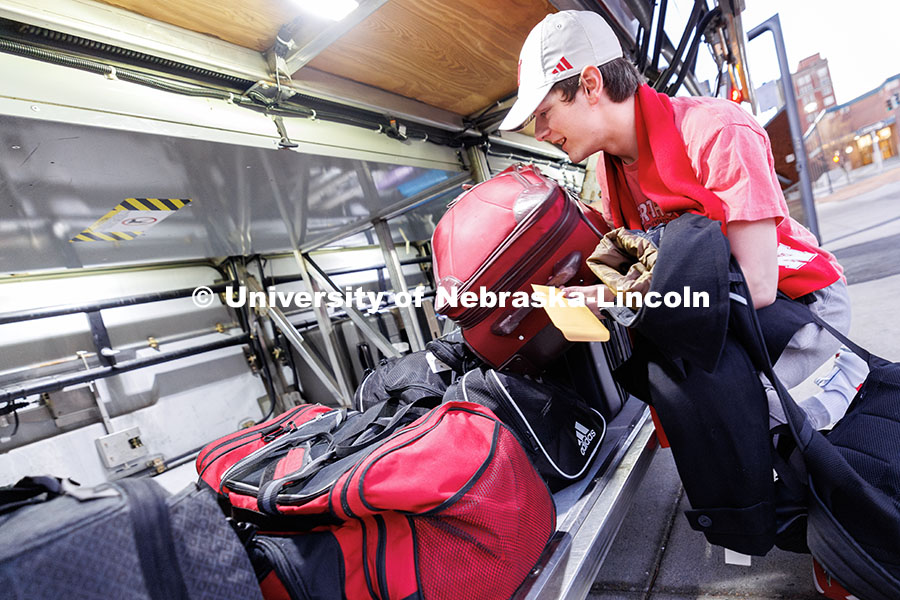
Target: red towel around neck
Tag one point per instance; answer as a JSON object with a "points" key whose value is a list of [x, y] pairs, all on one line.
{"points": [[666, 177]]}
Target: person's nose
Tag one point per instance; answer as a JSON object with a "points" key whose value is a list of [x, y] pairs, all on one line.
{"points": [[541, 131]]}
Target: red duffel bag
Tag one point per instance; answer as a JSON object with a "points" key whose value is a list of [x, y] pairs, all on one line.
{"points": [[500, 237], [447, 506]]}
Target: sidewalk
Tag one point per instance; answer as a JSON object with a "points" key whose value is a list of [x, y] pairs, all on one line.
{"points": [[862, 180], [656, 555]]}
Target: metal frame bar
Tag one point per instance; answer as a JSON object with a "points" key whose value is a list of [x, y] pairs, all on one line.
{"points": [[68, 309], [398, 282], [478, 164], [358, 319], [773, 24], [307, 50], [326, 328], [280, 320], [392, 262], [56, 383]]}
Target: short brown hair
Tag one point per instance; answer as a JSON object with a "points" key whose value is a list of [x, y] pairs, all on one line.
{"points": [[621, 80]]}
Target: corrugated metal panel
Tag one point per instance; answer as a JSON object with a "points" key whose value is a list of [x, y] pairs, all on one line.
{"points": [[56, 179]]}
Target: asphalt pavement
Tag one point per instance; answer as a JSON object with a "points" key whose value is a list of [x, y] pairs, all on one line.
{"points": [[656, 555]]}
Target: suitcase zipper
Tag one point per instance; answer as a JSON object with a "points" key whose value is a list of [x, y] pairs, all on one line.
{"points": [[522, 428], [516, 278], [263, 433], [362, 391]]}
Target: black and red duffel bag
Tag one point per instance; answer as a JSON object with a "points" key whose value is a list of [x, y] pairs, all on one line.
{"points": [[503, 235], [286, 466], [219, 456], [444, 507]]}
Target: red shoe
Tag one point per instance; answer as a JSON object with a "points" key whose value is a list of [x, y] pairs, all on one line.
{"points": [[827, 586]]}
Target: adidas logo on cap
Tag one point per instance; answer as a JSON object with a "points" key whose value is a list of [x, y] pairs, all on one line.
{"points": [[562, 65]]}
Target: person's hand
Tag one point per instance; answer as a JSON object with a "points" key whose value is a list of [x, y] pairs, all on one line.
{"points": [[591, 295]]}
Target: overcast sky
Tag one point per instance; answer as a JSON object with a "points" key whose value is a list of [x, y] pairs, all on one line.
{"points": [[860, 39]]}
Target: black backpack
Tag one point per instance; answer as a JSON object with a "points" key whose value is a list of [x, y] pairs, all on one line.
{"points": [[852, 474], [837, 495], [410, 377]]}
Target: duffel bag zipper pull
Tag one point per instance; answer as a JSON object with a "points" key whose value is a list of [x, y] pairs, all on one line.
{"points": [[288, 427]]}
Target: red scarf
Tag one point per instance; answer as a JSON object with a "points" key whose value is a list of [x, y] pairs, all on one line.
{"points": [[667, 178], [671, 182]]}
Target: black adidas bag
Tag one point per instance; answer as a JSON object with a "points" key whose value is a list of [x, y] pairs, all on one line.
{"points": [[853, 524], [559, 431]]}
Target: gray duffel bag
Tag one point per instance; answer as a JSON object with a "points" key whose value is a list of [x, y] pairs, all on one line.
{"points": [[128, 540]]}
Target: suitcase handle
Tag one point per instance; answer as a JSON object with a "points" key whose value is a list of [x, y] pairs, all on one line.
{"points": [[563, 271]]}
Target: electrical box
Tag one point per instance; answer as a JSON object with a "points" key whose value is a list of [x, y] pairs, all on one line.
{"points": [[121, 448]]}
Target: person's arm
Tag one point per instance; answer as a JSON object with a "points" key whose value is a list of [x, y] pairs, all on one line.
{"points": [[755, 246], [738, 167]]}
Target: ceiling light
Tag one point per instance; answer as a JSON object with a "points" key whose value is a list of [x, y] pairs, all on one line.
{"points": [[333, 10]]}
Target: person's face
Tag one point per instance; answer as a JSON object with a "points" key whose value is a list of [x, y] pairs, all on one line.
{"points": [[563, 125]]}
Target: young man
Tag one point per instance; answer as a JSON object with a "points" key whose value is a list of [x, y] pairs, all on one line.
{"points": [[664, 156]]}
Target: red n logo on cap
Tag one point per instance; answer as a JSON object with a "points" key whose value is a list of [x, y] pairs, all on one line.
{"points": [[562, 65]]}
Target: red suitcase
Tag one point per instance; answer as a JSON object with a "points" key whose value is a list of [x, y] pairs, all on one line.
{"points": [[503, 235]]}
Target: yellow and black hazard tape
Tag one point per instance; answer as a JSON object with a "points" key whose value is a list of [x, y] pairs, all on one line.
{"points": [[129, 204], [113, 236], [152, 204]]}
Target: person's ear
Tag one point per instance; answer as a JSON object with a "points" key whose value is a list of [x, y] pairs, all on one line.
{"points": [[592, 83]]}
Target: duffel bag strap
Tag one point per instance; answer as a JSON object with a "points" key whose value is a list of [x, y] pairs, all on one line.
{"points": [[323, 465], [366, 433], [801, 428], [858, 350], [152, 527]]}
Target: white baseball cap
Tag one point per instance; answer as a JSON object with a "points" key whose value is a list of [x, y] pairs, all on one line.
{"points": [[557, 48]]}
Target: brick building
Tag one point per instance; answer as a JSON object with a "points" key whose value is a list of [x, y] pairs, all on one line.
{"points": [[813, 89], [852, 130], [847, 131]]}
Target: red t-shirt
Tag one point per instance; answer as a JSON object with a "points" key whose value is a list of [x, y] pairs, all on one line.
{"points": [[731, 157]]}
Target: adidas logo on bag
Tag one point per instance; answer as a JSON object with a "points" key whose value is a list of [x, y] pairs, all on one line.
{"points": [[584, 436]]}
